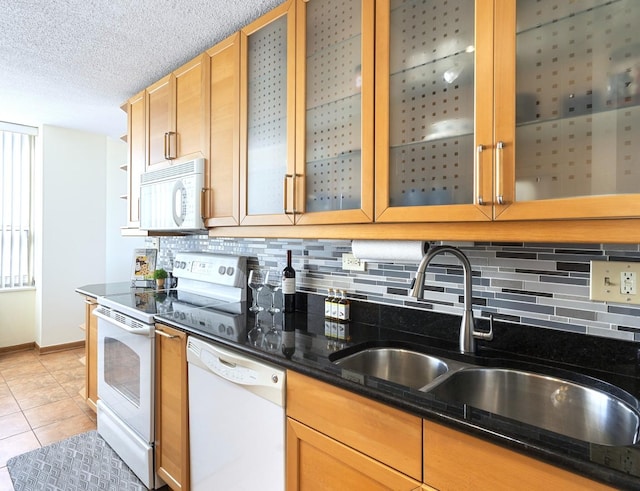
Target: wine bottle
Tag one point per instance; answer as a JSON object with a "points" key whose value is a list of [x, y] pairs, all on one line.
{"points": [[289, 285]]}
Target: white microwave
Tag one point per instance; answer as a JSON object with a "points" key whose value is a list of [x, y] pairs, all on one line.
{"points": [[171, 197]]}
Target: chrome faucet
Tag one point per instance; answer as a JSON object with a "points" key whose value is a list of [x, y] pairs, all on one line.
{"points": [[468, 334]]}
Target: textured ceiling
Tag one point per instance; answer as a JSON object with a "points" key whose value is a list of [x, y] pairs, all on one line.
{"points": [[72, 63]]}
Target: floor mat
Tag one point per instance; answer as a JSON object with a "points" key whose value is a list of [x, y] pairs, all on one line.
{"points": [[83, 462]]}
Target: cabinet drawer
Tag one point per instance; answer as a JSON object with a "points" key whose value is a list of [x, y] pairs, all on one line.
{"points": [[317, 462], [384, 433]]}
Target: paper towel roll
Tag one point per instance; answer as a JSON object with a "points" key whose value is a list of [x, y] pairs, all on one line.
{"points": [[389, 251]]}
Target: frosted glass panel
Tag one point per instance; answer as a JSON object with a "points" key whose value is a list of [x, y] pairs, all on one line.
{"points": [[267, 118], [431, 102], [578, 89], [333, 119]]}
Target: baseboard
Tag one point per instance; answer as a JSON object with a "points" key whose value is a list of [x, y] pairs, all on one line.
{"points": [[17, 347], [59, 347]]}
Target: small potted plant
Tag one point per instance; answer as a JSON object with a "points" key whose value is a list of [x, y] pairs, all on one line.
{"points": [[160, 275]]}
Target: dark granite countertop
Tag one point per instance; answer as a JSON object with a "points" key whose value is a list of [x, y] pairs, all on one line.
{"points": [[306, 342], [102, 289]]}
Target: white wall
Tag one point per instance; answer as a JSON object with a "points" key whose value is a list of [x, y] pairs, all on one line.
{"points": [[17, 317], [80, 214], [119, 250]]}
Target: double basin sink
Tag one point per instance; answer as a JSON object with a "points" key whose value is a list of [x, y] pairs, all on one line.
{"points": [[599, 414]]}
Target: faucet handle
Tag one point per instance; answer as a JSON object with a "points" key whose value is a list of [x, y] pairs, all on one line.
{"points": [[488, 336]]}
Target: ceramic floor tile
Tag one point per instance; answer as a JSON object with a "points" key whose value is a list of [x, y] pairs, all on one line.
{"points": [[81, 401], [13, 424], [4, 390], [34, 368], [16, 445], [31, 382], [69, 374], [35, 399], [8, 405], [60, 361], [52, 413], [17, 358], [5, 480], [73, 380], [64, 429]]}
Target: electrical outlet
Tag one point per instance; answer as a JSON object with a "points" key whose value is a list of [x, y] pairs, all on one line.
{"points": [[352, 263], [628, 283], [615, 281]]}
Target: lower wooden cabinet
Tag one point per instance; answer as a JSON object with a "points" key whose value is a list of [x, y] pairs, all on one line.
{"points": [[172, 407], [91, 353], [456, 461], [340, 440], [317, 462]]}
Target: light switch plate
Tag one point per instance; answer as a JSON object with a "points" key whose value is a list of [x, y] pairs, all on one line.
{"points": [[615, 281]]}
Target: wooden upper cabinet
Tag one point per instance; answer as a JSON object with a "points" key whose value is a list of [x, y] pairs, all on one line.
{"points": [[223, 171], [334, 111], [177, 108], [159, 119], [267, 118], [434, 111], [496, 111], [567, 110], [137, 160]]}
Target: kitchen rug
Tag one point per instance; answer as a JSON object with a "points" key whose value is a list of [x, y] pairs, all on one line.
{"points": [[82, 462]]}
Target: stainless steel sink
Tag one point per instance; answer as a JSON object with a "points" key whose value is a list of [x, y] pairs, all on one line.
{"points": [[554, 404], [405, 367]]}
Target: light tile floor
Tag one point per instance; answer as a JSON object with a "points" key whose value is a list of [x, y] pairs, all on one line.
{"points": [[41, 402]]}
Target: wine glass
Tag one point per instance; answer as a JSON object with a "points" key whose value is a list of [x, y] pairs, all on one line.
{"points": [[273, 284], [256, 282]]}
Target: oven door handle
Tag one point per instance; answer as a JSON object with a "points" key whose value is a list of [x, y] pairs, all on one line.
{"points": [[133, 330]]}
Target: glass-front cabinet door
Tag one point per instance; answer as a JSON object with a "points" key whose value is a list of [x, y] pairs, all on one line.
{"points": [[334, 111], [267, 118], [434, 110], [569, 118]]}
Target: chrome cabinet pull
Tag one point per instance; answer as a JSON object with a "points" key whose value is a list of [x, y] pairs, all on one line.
{"points": [[203, 202], [499, 196], [478, 174], [168, 152], [285, 193]]}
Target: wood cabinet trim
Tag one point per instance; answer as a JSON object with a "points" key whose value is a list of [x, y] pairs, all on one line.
{"points": [[624, 231]]}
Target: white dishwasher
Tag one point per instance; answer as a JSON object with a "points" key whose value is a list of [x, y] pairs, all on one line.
{"points": [[236, 420]]}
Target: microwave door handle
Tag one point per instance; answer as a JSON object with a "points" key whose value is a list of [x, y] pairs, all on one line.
{"points": [[178, 198]]}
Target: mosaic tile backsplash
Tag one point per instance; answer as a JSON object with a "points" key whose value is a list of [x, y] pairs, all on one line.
{"points": [[542, 285]]}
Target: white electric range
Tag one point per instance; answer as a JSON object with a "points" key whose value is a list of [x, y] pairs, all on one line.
{"points": [[211, 290]]}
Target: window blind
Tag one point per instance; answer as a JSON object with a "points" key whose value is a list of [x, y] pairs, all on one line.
{"points": [[17, 149]]}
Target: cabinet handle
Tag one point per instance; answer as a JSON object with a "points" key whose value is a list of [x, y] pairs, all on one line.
{"points": [[164, 334], [499, 196], [285, 193], [168, 154], [203, 201], [478, 175]]}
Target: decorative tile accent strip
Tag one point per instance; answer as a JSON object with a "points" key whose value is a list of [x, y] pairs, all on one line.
{"points": [[544, 285]]}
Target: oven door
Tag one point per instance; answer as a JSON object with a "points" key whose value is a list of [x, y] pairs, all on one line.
{"points": [[125, 373]]}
